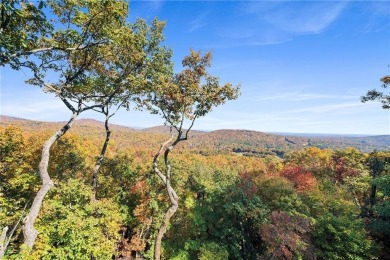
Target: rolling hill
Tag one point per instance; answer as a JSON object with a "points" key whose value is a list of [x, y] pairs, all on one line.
{"points": [[251, 143]]}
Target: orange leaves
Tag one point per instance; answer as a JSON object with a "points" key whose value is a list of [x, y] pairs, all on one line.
{"points": [[303, 180], [139, 187], [137, 244], [142, 210]]}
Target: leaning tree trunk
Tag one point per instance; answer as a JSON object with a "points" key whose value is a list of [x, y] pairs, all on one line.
{"points": [[164, 225], [3, 242], [100, 160], [29, 232], [173, 198]]}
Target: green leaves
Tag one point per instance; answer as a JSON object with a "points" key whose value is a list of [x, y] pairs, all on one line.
{"points": [[383, 97], [41, 5], [22, 24], [341, 237], [191, 93], [77, 229]]}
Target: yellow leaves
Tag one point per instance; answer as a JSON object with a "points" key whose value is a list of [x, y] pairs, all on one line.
{"points": [[80, 18], [189, 202]]}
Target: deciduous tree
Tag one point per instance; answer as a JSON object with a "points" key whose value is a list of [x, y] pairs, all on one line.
{"points": [[287, 237], [189, 95], [22, 24], [91, 60]]}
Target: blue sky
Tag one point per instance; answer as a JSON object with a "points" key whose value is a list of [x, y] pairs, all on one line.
{"points": [[302, 65]]}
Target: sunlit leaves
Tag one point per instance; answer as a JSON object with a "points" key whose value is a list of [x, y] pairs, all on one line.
{"points": [[303, 180], [18, 175], [77, 228], [22, 23], [192, 93]]}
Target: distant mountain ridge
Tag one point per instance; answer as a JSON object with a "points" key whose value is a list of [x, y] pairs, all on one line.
{"points": [[16, 121], [246, 142]]}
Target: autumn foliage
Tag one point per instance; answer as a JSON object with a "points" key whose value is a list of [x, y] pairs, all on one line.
{"points": [[302, 179], [287, 237]]}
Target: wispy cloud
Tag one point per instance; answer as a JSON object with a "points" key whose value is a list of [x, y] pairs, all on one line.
{"points": [[197, 23], [145, 8], [34, 109], [252, 35], [275, 22], [339, 108], [327, 118], [379, 8], [376, 12], [307, 18], [155, 5], [237, 33]]}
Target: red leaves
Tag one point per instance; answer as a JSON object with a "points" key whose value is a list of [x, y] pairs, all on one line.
{"points": [[286, 236], [303, 179], [343, 169]]}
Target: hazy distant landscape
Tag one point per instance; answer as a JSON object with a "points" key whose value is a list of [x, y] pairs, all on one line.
{"points": [[251, 143]]}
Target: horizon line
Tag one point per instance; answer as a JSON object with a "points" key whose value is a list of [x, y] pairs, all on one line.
{"points": [[313, 134]]}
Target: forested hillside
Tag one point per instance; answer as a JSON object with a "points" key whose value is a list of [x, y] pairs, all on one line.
{"points": [[244, 142], [311, 203]]}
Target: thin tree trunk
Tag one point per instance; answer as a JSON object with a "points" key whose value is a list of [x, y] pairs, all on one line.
{"points": [[164, 225], [375, 170], [173, 198], [29, 232], [4, 239], [3, 242], [100, 160], [356, 201]]}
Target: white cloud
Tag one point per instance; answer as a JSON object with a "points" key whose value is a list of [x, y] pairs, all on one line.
{"points": [[308, 18], [154, 6], [35, 109], [277, 22], [197, 23], [146, 9], [340, 108]]}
